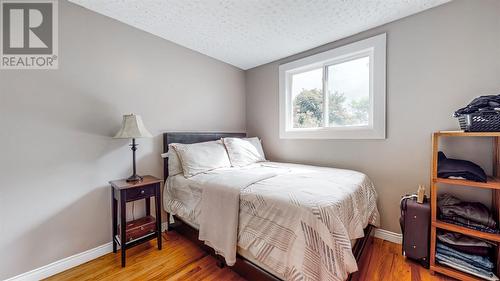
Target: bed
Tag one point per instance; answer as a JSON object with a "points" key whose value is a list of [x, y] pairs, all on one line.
{"points": [[292, 224]]}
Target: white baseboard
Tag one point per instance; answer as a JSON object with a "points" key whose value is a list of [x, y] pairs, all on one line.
{"points": [[67, 263], [389, 236], [63, 264]]}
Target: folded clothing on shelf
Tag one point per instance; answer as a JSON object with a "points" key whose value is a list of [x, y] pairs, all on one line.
{"points": [[480, 266], [456, 168], [488, 275], [481, 262], [458, 221], [470, 211], [465, 243], [473, 215]]}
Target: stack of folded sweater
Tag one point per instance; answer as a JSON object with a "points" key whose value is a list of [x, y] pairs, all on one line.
{"points": [[459, 169], [468, 214], [466, 254]]}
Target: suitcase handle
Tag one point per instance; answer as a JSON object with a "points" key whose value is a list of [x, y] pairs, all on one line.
{"points": [[402, 208], [403, 201]]}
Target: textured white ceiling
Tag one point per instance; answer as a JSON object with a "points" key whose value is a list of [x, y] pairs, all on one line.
{"points": [[248, 33]]}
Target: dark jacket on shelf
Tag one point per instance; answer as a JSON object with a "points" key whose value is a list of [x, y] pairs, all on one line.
{"points": [[470, 214], [448, 167]]}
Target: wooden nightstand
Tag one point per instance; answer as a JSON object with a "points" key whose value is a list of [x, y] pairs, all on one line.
{"points": [[140, 230]]}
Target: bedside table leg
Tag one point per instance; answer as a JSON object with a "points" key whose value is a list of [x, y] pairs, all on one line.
{"points": [[148, 206], [114, 211], [168, 223], [158, 216], [123, 216]]}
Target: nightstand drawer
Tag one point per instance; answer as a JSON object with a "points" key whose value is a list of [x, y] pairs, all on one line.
{"points": [[140, 192]]}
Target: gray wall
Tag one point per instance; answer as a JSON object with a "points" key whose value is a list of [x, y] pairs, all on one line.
{"points": [[437, 61], [56, 127]]}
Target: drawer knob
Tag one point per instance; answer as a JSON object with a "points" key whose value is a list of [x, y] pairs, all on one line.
{"points": [[142, 191]]}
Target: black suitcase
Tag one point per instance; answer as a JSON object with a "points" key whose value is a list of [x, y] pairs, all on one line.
{"points": [[415, 224]]}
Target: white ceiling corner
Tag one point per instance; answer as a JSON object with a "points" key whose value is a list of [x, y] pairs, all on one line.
{"points": [[249, 33]]}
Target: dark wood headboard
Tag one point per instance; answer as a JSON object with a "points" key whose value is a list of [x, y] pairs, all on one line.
{"points": [[188, 137]]}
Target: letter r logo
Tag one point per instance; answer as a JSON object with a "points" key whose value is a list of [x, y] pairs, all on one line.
{"points": [[27, 28], [29, 34]]}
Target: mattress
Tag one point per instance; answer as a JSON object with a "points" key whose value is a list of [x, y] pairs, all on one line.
{"points": [[182, 197]]}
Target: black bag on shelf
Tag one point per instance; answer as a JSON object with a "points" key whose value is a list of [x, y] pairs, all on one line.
{"points": [[415, 222]]}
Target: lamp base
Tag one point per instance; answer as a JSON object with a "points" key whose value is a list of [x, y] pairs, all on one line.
{"points": [[134, 178]]}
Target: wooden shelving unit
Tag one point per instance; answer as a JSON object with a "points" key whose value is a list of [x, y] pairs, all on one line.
{"points": [[493, 184]]}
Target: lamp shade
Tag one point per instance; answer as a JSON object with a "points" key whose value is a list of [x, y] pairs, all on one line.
{"points": [[132, 127]]}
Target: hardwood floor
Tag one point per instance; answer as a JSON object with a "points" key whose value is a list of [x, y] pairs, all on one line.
{"points": [[182, 260], [384, 262], [178, 260]]}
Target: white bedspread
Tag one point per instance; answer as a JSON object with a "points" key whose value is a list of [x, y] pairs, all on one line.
{"points": [[298, 222], [220, 204]]}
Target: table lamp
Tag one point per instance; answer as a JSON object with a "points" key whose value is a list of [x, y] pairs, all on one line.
{"points": [[132, 128]]}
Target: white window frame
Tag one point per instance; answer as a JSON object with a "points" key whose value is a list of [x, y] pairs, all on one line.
{"points": [[375, 48]]}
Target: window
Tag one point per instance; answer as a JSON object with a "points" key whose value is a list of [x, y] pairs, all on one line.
{"points": [[338, 94]]}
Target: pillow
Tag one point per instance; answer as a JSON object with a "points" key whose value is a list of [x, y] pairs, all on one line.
{"points": [[174, 163], [243, 152], [200, 157]]}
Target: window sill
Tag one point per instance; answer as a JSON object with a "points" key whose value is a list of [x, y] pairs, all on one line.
{"points": [[334, 133]]}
